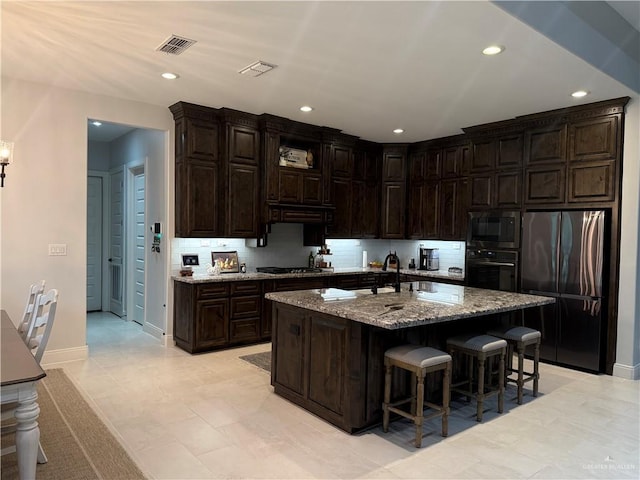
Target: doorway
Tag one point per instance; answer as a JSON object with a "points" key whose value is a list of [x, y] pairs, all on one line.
{"points": [[136, 242]]}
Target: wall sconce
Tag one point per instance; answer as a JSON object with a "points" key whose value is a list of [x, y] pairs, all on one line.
{"points": [[6, 157]]}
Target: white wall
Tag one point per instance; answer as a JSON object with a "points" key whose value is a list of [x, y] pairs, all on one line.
{"points": [[44, 198]]}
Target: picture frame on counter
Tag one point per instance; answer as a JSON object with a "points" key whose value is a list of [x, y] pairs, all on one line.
{"points": [[228, 261]]}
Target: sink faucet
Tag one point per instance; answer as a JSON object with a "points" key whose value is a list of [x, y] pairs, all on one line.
{"points": [[384, 268]]}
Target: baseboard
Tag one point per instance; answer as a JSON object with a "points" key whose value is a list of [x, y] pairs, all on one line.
{"points": [[153, 331], [168, 341], [626, 371], [63, 355]]}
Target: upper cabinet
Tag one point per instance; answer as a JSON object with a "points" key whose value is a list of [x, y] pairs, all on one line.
{"points": [[199, 172], [394, 168]]}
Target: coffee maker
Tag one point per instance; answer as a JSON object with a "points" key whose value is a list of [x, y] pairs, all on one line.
{"points": [[429, 259]]}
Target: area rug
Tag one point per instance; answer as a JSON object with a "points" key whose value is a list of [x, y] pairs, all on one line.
{"points": [[262, 360], [78, 445]]}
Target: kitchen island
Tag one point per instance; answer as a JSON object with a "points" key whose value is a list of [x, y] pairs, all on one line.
{"points": [[328, 344]]}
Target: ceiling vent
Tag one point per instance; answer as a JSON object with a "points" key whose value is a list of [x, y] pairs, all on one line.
{"points": [[257, 68], [175, 45]]}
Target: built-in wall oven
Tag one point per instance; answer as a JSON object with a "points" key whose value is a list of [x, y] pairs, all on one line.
{"points": [[492, 269]]}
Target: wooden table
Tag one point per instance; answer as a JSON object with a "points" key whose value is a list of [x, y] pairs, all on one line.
{"points": [[20, 374]]}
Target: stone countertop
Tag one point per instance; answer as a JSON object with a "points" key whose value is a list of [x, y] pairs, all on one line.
{"points": [[236, 277], [429, 303]]}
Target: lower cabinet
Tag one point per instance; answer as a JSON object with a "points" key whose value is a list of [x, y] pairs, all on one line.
{"points": [[331, 366], [211, 316]]}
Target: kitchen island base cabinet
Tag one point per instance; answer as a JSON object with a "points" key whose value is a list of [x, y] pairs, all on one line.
{"points": [[330, 366]]}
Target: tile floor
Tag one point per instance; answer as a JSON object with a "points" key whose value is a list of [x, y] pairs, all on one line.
{"points": [[214, 416]]}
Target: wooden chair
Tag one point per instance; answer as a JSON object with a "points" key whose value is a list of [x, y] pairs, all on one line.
{"points": [[518, 339], [37, 336], [419, 361], [27, 317], [481, 348]]}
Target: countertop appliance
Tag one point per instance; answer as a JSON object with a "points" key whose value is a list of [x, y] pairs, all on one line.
{"points": [[494, 230], [429, 259], [283, 270], [563, 256]]}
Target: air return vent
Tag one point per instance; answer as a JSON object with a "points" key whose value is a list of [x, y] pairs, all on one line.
{"points": [[175, 45], [257, 68]]}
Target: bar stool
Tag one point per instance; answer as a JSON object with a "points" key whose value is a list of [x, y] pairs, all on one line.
{"points": [[419, 361], [480, 347], [519, 338]]}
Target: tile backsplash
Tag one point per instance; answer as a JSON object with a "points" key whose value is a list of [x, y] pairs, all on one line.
{"points": [[284, 249]]}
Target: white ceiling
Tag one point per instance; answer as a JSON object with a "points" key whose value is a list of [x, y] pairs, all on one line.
{"points": [[366, 67]]}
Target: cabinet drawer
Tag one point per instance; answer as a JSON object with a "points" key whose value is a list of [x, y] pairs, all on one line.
{"points": [[213, 290], [299, 284], [245, 288], [244, 330], [248, 306]]}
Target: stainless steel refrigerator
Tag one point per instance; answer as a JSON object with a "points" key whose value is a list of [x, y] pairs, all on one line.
{"points": [[563, 257]]}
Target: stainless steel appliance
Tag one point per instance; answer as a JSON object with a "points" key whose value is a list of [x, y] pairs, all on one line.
{"points": [[492, 269], [429, 259], [283, 270], [494, 230], [563, 257]]}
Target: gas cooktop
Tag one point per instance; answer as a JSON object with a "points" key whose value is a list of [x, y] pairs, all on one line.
{"points": [[282, 270]]}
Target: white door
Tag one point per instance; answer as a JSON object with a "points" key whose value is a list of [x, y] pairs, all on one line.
{"points": [[116, 255], [94, 244], [135, 309]]}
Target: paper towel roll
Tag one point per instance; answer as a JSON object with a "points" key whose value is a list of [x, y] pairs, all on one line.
{"points": [[365, 264]]}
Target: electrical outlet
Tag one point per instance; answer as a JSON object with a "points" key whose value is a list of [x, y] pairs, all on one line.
{"points": [[221, 243], [456, 246], [357, 243], [57, 249], [205, 243]]}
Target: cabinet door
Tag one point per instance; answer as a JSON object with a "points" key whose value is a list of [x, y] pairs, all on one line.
{"points": [[212, 323], [243, 210], [591, 181], [183, 315], [417, 162], [433, 165], [546, 145], [244, 144], [415, 213], [431, 209], [341, 226], [545, 184], [453, 209], [327, 362], [341, 161], [484, 155], [510, 151], [393, 167], [481, 191], [199, 204], [393, 210], [594, 139], [508, 189], [311, 189], [289, 342], [364, 210], [202, 142], [290, 188]]}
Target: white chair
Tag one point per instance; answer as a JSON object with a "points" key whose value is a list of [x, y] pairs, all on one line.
{"points": [[40, 328], [35, 290], [37, 336]]}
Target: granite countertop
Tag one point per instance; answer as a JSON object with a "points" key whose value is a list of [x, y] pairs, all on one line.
{"points": [[235, 277], [429, 303]]}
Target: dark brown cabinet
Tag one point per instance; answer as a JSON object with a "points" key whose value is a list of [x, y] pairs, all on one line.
{"points": [[423, 209], [454, 206], [243, 186], [394, 160], [339, 162], [209, 316], [199, 172], [365, 191]]}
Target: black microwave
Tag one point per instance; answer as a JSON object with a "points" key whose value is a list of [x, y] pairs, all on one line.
{"points": [[494, 229]]}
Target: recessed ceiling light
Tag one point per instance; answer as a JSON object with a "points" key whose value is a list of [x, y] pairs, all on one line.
{"points": [[306, 108], [96, 123], [579, 94], [493, 50], [398, 131], [169, 75]]}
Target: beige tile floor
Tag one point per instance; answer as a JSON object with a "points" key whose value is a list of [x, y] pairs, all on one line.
{"points": [[214, 415]]}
